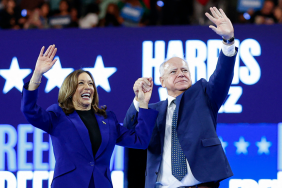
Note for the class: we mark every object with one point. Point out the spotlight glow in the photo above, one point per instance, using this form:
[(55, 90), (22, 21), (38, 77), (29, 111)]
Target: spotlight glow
[(24, 13), (246, 16), (160, 3)]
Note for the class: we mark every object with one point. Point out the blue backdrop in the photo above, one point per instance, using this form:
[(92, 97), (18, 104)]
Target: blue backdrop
[(117, 57)]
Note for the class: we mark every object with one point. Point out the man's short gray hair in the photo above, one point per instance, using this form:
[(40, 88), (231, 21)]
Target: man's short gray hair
[(161, 69)]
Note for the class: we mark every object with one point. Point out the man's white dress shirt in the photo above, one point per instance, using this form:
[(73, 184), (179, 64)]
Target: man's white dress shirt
[(165, 176)]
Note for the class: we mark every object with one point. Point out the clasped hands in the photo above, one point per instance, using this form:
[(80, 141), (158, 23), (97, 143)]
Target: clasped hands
[(143, 88)]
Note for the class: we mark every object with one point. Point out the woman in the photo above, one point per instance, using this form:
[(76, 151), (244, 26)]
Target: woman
[(83, 135)]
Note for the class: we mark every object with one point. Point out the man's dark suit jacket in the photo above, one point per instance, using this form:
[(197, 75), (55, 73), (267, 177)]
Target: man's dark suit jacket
[(197, 110)]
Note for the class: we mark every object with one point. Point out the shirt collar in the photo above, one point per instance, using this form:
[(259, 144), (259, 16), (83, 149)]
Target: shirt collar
[(169, 100)]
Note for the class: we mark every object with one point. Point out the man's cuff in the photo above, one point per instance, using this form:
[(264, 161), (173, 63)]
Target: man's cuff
[(229, 50), (136, 104)]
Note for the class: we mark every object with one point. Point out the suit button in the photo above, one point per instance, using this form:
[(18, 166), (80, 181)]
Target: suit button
[(156, 173), (91, 163)]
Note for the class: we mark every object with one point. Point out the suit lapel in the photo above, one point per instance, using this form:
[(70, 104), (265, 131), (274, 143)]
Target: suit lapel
[(161, 121), (178, 99), (82, 131), (104, 130)]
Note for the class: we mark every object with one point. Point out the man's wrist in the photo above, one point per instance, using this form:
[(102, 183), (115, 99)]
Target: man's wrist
[(228, 44), (228, 36), (228, 40), (229, 49)]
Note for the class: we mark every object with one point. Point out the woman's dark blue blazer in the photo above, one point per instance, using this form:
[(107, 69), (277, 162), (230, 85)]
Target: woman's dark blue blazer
[(75, 163)]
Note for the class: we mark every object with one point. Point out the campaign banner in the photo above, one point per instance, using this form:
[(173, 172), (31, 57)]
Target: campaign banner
[(254, 152)]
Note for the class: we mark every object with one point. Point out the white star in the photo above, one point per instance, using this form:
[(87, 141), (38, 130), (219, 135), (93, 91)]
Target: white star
[(223, 144), (14, 76), (242, 146), (101, 73), (263, 146), (56, 75)]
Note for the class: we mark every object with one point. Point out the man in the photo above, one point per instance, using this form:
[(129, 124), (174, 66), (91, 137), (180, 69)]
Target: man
[(184, 150)]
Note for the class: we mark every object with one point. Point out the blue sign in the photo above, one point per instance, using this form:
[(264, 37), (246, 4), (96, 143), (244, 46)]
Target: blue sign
[(253, 153), (245, 5), (132, 13)]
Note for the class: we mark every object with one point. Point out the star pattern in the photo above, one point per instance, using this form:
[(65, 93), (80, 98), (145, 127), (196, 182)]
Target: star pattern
[(263, 146), (56, 75), (14, 76), (242, 146), (223, 144), (101, 73)]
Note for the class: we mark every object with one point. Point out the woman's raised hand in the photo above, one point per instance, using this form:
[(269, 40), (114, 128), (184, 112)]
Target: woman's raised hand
[(45, 60), (44, 63)]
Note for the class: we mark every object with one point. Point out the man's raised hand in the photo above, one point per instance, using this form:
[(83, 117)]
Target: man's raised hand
[(224, 26)]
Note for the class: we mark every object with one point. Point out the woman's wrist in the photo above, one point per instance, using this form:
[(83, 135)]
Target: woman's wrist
[(35, 81), (143, 105), (37, 73), (36, 77)]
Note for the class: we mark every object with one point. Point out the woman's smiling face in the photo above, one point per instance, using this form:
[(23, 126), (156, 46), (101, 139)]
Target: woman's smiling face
[(83, 96)]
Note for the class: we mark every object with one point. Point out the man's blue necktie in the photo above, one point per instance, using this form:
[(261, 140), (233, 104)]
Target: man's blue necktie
[(178, 159)]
